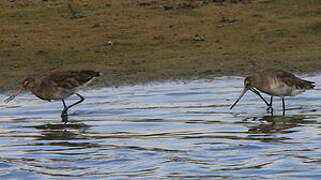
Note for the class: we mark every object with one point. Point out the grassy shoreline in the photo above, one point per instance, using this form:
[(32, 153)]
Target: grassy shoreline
[(157, 40)]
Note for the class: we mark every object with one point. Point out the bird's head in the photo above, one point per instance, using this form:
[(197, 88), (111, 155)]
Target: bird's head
[(27, 84), (249, 82)]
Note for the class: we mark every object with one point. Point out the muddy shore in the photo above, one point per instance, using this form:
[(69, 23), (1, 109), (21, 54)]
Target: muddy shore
[(141, 41)]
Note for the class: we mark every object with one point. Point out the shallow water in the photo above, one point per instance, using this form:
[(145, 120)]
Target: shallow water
[(163, 131)]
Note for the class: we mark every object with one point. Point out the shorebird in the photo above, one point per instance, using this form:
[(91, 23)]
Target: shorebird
[(274, 82), (58, 85)]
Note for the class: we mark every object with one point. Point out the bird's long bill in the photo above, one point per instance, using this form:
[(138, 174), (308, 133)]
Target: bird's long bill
[(10, 98), (241, 95)]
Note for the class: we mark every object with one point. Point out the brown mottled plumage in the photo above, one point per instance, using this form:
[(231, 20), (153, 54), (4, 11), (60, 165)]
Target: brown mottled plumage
[(275, 82), (58, 85)]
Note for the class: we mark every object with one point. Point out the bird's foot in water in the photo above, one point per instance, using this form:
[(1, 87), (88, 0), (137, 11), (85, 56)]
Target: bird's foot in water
[(269, 109), (64, 117)]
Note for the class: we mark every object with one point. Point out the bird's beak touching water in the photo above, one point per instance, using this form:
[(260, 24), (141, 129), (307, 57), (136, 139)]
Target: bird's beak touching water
[(10, 98), (241, 95)]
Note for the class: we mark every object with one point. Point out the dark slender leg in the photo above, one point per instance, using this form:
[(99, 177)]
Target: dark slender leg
[(63, 102), (283, 105), (270, 108), (257, 93), (270, 105), (64, 114), (271, 100), (81, 100)]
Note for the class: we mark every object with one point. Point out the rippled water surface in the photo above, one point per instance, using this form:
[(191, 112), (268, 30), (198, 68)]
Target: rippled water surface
[(163, 131)]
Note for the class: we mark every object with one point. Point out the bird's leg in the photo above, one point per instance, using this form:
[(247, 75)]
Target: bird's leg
[(283, 105), (64, 115), (270, 105), (257, 93), (81, 100)]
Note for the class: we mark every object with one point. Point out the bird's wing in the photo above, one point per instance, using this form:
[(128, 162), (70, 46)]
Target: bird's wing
[(293, 81), (62, 79), (70, 79)]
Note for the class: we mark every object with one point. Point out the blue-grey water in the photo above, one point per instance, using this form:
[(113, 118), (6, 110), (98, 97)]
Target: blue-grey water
[(175, 130)]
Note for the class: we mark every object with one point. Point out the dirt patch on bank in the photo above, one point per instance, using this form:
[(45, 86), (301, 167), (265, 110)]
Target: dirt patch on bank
[(149, 40)]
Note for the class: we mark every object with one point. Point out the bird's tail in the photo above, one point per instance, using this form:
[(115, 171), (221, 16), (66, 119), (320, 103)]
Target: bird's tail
[(307, 84), (84, 77), (91, 73)]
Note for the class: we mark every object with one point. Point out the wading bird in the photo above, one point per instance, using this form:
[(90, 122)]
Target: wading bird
[(275, 82), (58, 85)]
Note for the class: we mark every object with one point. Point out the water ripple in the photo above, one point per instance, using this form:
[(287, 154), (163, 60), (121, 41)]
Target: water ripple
[(162, 131)]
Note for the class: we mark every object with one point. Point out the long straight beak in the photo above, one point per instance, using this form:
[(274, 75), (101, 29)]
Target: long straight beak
[(241, 95), (10, 98)]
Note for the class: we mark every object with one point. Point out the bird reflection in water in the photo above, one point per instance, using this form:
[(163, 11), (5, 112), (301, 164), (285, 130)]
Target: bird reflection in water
[(277, 124)]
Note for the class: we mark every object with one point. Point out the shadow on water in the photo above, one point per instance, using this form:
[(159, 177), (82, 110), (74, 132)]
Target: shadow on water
[(162, 131)]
